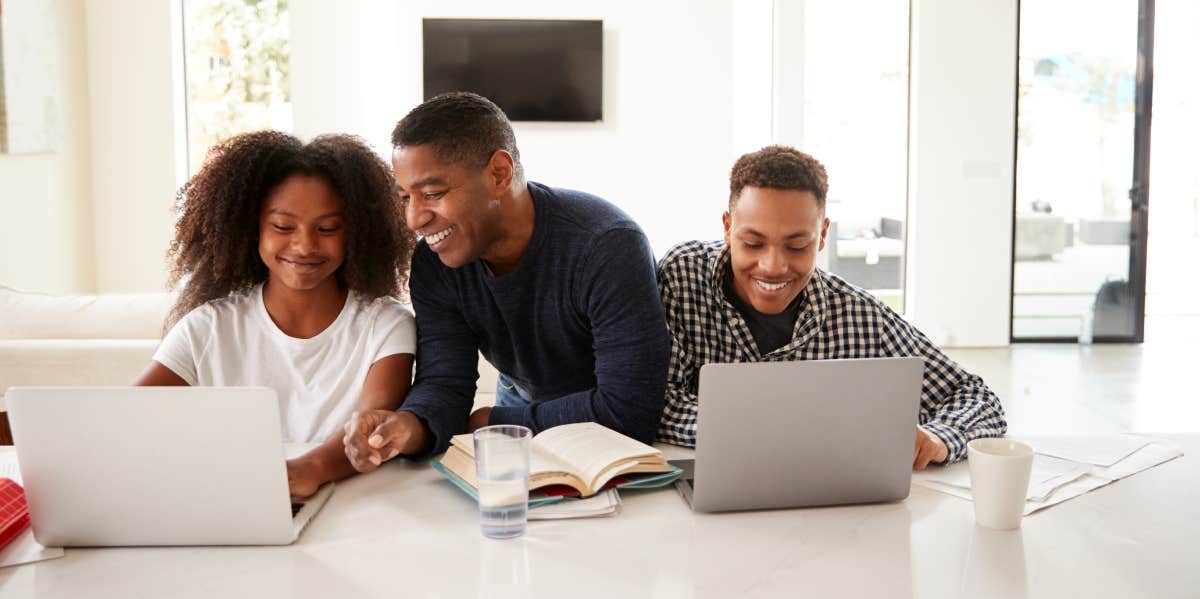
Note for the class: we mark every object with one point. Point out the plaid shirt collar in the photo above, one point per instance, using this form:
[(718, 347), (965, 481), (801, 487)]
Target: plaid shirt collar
[(808, 320)]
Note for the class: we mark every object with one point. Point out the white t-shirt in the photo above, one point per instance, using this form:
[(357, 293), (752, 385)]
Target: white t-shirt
[(233, 342)]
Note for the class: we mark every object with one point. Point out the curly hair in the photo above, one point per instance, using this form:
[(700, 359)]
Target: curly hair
[(215, 250), (463, 128), (778, 167)]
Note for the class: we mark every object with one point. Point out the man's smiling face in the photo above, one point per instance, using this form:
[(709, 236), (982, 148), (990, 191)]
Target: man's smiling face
[(773, 236), (447, 204)]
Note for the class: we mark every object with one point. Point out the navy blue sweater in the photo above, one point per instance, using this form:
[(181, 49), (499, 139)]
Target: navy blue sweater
[(578, 325)]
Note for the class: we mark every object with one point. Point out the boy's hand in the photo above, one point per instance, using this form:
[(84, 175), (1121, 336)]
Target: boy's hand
[(928, 449)]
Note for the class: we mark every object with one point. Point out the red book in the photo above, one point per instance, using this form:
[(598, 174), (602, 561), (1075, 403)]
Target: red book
[(14, 512)]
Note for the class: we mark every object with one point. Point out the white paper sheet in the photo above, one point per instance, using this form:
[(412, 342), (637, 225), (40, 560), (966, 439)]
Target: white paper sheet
[(25, 549), (9, 469), (604, 503), (1097, 449), (1148, 456), (1048, 474)]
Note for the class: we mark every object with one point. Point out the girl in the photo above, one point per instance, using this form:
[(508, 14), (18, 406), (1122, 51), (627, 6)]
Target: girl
[(291, 259)]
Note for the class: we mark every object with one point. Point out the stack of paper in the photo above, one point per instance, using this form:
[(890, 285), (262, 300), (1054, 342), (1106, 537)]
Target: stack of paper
[(604, 503), (1064, 466)]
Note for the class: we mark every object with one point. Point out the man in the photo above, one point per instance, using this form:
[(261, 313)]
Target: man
[(554, 287), (758, 296)]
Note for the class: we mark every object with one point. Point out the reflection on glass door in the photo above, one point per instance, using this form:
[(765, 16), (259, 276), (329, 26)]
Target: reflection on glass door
[(1075, 229)]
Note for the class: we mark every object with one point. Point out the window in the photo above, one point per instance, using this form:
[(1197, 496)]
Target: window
[(852, 115), (237, 56)]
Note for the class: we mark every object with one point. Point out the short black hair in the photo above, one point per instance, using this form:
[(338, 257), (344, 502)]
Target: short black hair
[(779, 167), (463, 128)]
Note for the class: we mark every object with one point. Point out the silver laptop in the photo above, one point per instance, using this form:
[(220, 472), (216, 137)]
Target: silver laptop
[(803, 433), (155, 466)]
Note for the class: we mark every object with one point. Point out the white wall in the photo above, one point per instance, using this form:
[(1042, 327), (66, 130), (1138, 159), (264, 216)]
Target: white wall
[(134, 150), (45, 209), (662, 153), (962, 111)]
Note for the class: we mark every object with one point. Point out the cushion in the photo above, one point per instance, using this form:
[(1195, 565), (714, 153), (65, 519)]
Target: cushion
[(27, 315)]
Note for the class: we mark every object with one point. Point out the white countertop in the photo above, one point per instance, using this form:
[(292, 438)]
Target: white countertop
[(405, 532)]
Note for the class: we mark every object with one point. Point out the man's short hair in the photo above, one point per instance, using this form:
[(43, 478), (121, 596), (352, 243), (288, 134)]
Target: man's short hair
[(778, 167), (462, 127)]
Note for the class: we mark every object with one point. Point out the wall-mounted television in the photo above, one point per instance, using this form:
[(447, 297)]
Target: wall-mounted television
[(534, 70)]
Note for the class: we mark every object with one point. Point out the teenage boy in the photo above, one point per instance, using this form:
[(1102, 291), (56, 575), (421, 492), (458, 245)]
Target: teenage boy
[(757, 295)]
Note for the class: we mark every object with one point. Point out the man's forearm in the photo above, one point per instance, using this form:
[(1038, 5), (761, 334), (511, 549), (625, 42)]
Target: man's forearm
[(442, 414)]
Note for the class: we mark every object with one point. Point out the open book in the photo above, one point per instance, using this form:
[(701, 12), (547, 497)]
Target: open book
[(584, 458)]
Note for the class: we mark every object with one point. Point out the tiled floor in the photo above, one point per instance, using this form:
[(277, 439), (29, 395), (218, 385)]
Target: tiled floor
[(1100, 388)]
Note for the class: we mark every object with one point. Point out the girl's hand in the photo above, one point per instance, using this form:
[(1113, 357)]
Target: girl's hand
[(303, 478)]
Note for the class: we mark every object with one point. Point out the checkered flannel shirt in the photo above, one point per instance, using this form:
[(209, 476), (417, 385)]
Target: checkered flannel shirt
[(836, 320)]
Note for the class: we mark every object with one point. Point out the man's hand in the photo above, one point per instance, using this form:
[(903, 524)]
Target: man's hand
[(479, 419), (303, 478), (929, 448), (376, 436)]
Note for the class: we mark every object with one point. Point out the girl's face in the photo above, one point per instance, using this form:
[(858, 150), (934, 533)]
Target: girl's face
[(302, 233)]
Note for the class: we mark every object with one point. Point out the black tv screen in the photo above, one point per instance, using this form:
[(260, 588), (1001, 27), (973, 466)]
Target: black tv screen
[(533, 70)]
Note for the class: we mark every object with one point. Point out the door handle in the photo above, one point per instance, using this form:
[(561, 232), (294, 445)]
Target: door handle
[(1137, 196)]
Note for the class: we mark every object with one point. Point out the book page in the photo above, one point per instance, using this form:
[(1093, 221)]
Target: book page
[(540, 461), (589, 449)]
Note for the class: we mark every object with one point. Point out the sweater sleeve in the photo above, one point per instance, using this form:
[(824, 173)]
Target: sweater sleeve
[(630, 341), (447, 355), (956, 405)]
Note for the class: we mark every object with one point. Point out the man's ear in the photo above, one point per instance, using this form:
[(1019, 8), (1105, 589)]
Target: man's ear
[(728, 222), (824, 232), (500, 170)]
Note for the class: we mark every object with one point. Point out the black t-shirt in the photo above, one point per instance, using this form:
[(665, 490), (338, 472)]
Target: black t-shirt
[(770, 331)]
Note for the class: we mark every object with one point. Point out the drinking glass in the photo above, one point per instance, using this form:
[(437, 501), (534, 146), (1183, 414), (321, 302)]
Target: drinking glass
[(502, 474)]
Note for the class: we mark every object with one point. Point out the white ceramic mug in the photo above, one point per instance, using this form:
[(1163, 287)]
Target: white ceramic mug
[(999, 480)]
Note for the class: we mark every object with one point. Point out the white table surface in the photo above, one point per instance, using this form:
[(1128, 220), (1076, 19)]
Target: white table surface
[(405, 532)]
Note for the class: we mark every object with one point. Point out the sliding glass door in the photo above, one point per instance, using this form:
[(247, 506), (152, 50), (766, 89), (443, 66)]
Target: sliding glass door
[(1081, 174)]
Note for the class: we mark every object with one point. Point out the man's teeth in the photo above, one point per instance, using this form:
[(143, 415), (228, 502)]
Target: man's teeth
[(440, 235), (771, 286)]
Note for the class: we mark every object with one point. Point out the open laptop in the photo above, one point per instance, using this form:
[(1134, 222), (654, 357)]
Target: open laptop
[(155, 466), (803, 433)]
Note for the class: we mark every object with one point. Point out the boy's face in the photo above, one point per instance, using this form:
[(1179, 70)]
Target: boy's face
[(302, 233), (773, 236), (451, 205)]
